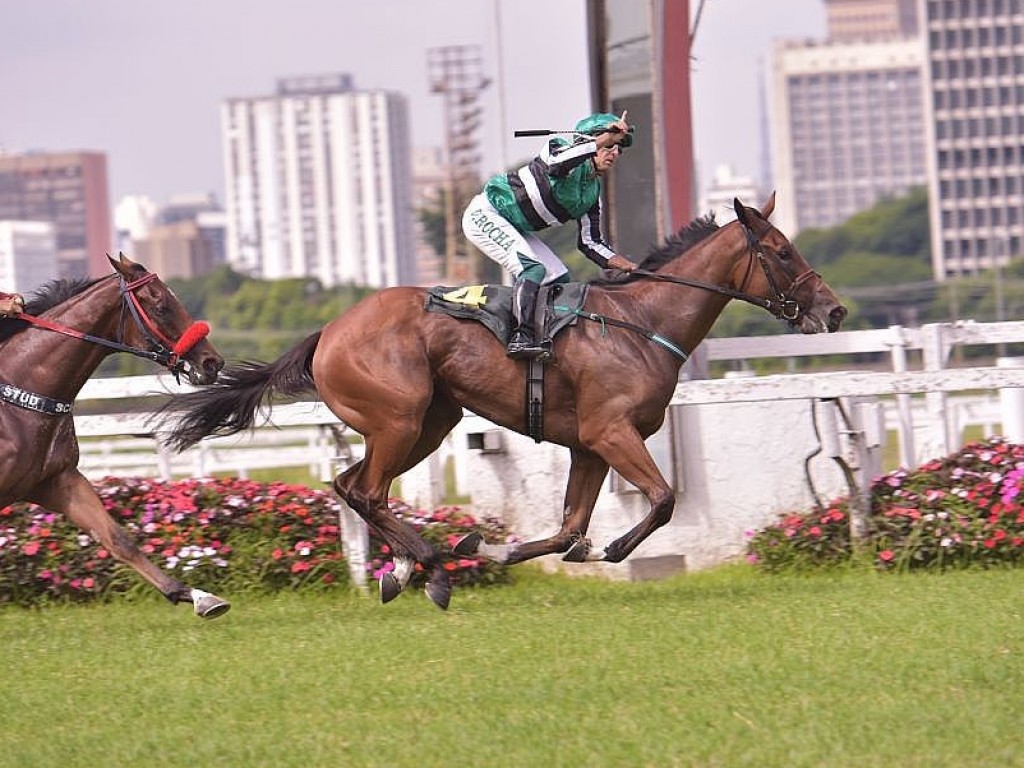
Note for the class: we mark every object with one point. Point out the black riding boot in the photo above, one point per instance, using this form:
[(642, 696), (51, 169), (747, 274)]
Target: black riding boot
[(523, 341)]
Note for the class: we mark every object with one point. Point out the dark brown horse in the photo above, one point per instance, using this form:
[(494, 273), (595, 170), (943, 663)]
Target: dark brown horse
[(401, 376), (46, 356)]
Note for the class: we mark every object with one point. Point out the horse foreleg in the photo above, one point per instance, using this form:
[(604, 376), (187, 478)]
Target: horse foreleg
[(586, 475), (625, 450), (72, 496)]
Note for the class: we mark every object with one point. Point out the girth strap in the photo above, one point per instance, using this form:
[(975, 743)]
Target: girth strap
[(535, 399)]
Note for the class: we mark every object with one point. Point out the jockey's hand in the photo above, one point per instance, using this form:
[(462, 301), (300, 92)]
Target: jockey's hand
[(11, 304), (621, 263), (612, 134)]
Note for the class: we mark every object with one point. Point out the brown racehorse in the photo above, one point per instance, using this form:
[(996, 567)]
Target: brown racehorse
[(401, 376), (46, 356)]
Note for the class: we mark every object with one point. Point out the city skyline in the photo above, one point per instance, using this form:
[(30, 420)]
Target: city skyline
[(145, 85)]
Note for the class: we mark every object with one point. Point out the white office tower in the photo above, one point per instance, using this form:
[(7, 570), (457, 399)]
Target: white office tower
[(849, 127), (975, 87), (319, 183), (28, 255)]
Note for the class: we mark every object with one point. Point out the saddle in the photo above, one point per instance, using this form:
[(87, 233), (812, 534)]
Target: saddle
[(492, 306)]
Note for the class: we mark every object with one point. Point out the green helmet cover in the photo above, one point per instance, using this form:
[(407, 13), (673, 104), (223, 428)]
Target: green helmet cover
[(596, 123)]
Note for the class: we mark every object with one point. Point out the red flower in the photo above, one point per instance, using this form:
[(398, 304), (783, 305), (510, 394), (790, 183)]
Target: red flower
[(30, 548), (886, 555), (814, 531), (300, 566)]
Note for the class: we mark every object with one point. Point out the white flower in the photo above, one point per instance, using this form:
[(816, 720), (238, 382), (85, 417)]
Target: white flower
[(946, 542)]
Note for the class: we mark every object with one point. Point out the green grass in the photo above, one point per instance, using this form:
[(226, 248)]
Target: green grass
[(726, 668)]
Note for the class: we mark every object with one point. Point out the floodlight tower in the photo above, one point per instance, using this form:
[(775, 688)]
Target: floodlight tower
[(455, 72)]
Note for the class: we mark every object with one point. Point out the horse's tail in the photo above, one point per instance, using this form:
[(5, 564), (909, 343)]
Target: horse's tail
[(231, 405)]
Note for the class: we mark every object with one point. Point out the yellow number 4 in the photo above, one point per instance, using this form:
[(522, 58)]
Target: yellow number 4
[(473, 295)]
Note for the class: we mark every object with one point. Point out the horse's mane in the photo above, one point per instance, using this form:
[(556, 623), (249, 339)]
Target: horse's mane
[(45, 297), (675, 245)]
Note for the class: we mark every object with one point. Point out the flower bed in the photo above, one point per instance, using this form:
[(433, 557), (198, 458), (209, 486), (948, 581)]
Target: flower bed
[(959, 511), (227, 535)]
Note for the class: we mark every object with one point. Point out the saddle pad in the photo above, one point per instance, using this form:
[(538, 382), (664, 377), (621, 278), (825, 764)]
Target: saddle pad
[(492, 305)]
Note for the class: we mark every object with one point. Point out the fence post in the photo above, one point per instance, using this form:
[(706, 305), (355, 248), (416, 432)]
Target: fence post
[(1011, 403), (935, 351), (898, 352), (355, 538)]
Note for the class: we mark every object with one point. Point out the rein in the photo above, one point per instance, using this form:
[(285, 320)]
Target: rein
[(781, 306), (165, 352)]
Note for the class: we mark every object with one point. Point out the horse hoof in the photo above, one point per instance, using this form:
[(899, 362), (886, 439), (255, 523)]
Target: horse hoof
[(468, 545), (208, 606), (440, 592), (390, 587), (578, 552)]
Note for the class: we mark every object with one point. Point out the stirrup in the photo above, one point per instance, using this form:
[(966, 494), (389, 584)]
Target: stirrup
[(522, 347)]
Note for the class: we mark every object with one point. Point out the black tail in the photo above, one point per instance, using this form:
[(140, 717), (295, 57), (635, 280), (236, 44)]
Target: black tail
[(230, 405)]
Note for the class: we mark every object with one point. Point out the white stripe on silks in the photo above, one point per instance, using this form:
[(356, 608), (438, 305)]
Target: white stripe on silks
[(533, 191), (565, 154), (586, 222)]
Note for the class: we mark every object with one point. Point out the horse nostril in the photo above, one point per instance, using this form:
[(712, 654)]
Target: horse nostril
[(212, 366), (835, 318)]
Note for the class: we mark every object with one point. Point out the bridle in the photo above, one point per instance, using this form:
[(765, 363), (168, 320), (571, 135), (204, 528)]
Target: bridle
[(781, 304), (161, 349)]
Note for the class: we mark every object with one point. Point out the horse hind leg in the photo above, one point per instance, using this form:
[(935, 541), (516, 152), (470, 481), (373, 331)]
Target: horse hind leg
[(408, 547), (75, 498)]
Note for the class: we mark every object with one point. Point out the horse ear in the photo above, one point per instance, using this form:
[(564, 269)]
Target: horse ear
[(741, 212), (769, 206), (112, 262)]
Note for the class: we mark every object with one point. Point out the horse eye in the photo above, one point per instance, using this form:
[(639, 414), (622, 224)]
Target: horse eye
[(784, 253)]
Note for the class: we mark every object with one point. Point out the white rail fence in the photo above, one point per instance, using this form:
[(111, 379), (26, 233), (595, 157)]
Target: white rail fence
[(734, 447)]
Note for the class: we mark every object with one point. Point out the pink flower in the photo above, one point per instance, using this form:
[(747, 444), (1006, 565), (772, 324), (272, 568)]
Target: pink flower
[(30, 548), (886, 555), (814, 531)]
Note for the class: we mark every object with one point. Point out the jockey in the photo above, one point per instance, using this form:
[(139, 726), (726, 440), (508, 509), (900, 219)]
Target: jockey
[(11, 304), (562, 183)]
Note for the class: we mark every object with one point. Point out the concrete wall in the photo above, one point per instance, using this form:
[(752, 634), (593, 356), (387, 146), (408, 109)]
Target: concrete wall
[(737, 467)]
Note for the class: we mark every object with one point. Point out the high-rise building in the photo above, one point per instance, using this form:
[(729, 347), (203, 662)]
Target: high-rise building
[(28, 255), (318, 179), (863, 20), (68, 189), (975, 89), (183, 239), (849, 126)]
